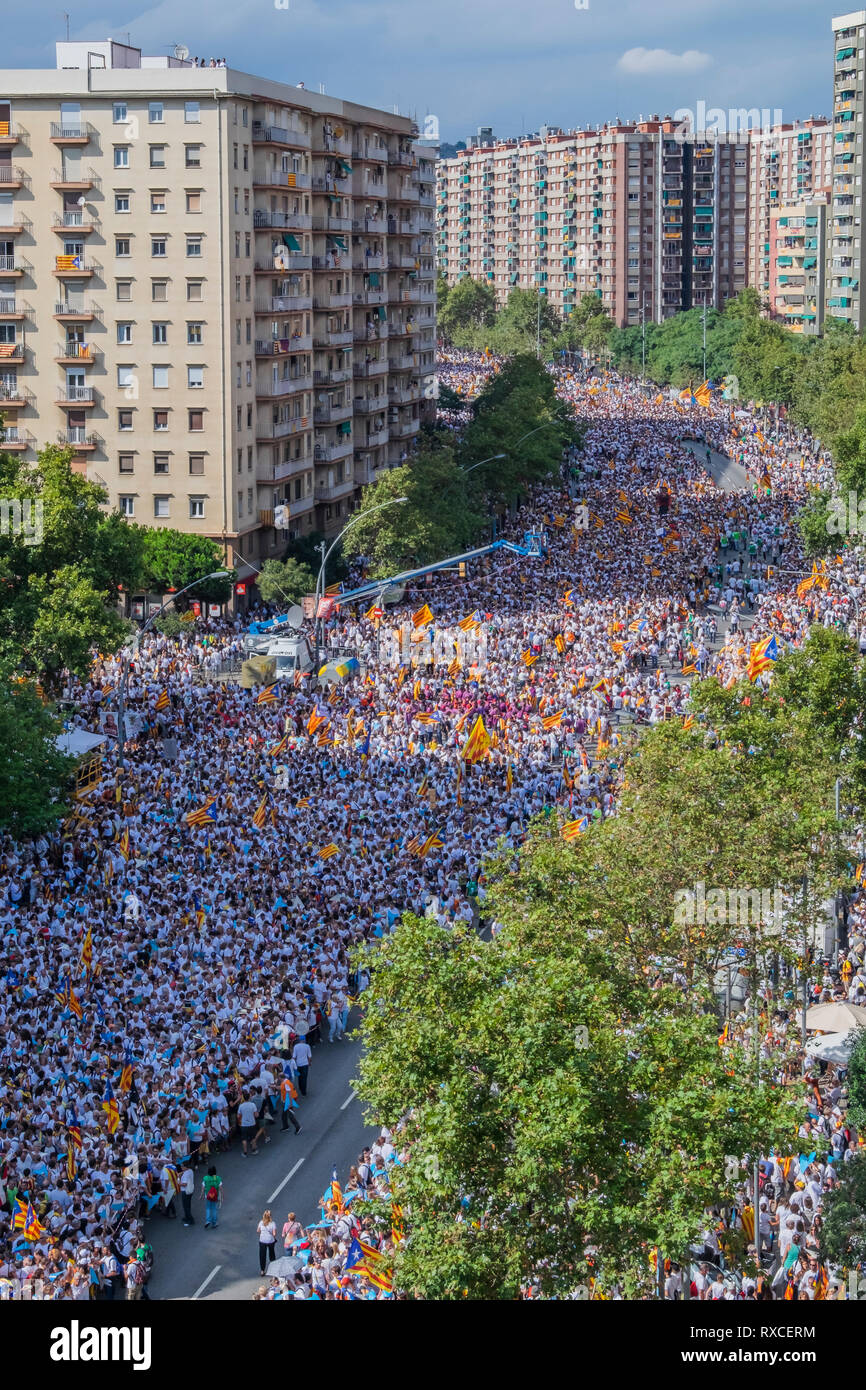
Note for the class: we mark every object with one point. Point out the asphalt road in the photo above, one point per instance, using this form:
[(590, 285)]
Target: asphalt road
[(289, 1174), (727, 474)]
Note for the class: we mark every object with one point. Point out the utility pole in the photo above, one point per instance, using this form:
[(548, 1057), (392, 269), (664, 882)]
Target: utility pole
[(805, 971), (704, 320)]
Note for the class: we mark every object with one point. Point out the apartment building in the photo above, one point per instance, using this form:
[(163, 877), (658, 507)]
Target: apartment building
[(843, 300), (217, 289), (793, 163), (797, 259), (649, 222)]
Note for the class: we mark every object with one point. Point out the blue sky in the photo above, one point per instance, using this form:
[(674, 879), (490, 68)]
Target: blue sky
[(512, 64)]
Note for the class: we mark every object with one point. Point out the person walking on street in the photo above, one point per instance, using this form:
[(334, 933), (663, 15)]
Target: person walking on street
[(301, 1055), (187, 1191), (211, 1190), (267, 1232), (248, 1113), (289, 1096)]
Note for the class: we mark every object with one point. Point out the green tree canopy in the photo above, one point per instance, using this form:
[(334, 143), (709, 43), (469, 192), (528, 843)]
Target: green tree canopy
[(174, 559), (285, 582)]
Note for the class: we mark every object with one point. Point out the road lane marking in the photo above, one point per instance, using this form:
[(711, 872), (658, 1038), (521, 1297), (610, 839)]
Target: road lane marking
[(200, 1290), (349, 1101), (289, 1175)]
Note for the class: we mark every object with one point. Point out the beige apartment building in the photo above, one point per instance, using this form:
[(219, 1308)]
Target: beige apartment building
[(217, 289)]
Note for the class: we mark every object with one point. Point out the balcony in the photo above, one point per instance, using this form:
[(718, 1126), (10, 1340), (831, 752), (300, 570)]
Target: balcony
[(12, 176), (85, 179), (369, 263), (378, 366), (402, 158), (273, 266), (370, 405), (329, 453), (80, 436), (78, 134), (375, 226), (283, 347), (331, 492), (373, 440), (74, 268), (69, 312), (74, 352), (403, 395), (403, 429), (401, 362), (80, 222), (282, 429), (12, 352), (327, 223), (280, 135), (332, 413), (333, 378), (266, 218), (82, 397), (280, 178), (340, 185), (10, 135), (324, 338), (285, 386), (324, 301), (11, 394), (13, 439), (12, 308), (362, 297), (13, 265), (289, 303)]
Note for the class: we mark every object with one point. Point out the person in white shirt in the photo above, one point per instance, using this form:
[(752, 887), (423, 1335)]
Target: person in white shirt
[(247, 1124), (187, 1190), (301, 1054)]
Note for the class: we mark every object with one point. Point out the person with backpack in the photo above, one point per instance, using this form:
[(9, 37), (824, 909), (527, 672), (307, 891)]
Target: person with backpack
[(211, 1191)]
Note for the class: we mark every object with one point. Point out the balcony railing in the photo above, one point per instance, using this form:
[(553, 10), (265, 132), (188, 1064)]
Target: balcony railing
[(11, 173), (377, 367), (280, 429), (297, 260), (280, 135), (80, 220), (81, 395), (332, 413), (264, 218), (325, 301), (10, 390), (85, 178), (331, 224), (82, 352), (78, 434), (329, 492), (85, 309), (370, 405), (13, 438), (325, 338), (329, 453), (12, 352), (8, 263), (285, 386), (282, 303), (332, 378), (74, 265), (80, 130)]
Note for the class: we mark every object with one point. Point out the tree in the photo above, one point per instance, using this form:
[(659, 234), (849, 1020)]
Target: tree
[(470, 305), (518, 415), (306, 550), (526, 318), (843, 1238), (285, 582), (589, 325), (857, 1084), (815, 524), (174, 559), (33, 774), (437, 520)]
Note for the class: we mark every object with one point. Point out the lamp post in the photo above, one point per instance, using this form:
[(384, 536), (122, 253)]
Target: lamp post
[(320, 580), (124, 656)]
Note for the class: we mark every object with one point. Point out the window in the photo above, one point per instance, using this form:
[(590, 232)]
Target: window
[(126, 505), (240, 504), (124, 419), (121, 202), (193, 156), (195, 377), (196, 508), (121, 156), (157, 202), (120, 113), (193, 333), (155, 112), (196, 419), (160, 420), (124, 333), (160, 378), (193, 202), (126, 463), (191, 113), (160, 333), (160, 463), (161, 506), (159, 291), (196, 465), (193, 246), (157, 156), (157, 246), (125, 378), (122, 246), (194, 289)]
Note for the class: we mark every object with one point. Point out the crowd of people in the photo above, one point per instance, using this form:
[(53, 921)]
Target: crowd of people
[(174, 950)]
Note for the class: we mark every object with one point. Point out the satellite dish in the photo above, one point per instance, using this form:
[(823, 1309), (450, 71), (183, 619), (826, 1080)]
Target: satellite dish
[(181, 52), (295, 616)]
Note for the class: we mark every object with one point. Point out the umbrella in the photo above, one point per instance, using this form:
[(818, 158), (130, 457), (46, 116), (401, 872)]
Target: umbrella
[(836, 1018), (833, 1047), (284, 1267)]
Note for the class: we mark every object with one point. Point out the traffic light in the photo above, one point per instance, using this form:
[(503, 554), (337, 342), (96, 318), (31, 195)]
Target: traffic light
[(461, 569)]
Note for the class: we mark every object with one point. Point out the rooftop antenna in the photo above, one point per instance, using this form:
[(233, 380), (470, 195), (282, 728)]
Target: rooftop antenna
[(181, 52), (66, 17)]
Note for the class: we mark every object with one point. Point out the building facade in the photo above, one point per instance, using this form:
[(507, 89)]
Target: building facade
[(798, 257), (843, 298), (217, 289)]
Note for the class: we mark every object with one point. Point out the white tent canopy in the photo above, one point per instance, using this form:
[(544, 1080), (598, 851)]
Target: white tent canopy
[(76, 742)]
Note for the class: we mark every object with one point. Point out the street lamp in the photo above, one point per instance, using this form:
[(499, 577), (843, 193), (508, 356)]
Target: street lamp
[(124, 676), (320, 580), (483, 461)]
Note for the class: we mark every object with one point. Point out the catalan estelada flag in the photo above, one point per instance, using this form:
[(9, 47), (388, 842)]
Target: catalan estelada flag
[(433, 841), (163, 702), (477, 743), (529, 656), (280, 747), (761, 656), (266, 696), (315, 721), (125, 1083), (203, 816), (123, 844), (260, 812), (471, 622), (109, 1105), (573, 828), (328, 852)]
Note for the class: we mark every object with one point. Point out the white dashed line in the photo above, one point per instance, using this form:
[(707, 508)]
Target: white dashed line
[(200, 1290), (349, 1101), (289, 1175)]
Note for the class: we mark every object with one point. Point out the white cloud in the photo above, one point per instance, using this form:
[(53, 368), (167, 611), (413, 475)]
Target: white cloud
[(660, 62)]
